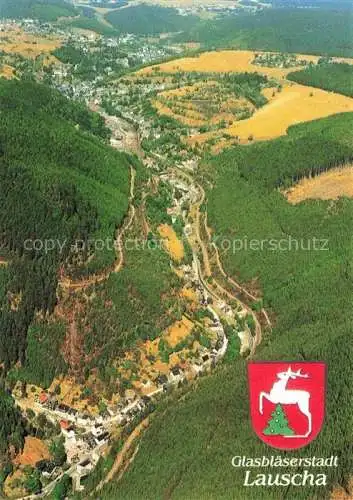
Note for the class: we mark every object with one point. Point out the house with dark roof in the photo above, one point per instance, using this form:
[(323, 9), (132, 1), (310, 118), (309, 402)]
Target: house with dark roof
[(162, 380), (176, 374)]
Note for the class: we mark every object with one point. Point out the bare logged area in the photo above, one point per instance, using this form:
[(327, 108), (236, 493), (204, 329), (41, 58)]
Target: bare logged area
[(327, 186), (34, 451)]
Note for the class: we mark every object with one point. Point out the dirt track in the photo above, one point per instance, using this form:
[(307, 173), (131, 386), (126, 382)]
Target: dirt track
[(121, 456)]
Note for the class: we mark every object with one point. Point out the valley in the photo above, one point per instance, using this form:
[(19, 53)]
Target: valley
[(130, 329)]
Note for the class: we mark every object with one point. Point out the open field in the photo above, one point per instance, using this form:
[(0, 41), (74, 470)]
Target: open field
[(179, 331), (171, 242), (26, 45), (326, 186), (226, 61), (288, 103), (294, 104)]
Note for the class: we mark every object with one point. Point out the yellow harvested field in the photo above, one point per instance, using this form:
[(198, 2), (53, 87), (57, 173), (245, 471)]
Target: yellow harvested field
[(294, 104), (6, 71), (178, 331), (225, 61), (29, 46), (329, 185), (172, 244), (34, 450)]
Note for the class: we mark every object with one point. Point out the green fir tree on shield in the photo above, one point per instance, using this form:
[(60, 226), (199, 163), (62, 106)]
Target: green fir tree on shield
[(278, 424)]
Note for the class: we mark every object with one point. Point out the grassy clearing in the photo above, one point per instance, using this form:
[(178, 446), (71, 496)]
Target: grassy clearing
[(329, 185), (28, 46)]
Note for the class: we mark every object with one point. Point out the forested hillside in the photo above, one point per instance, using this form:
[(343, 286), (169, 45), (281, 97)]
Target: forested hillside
[(44, 10), (93, 24), (187, 451), (327, 76), (12, 430), (59, 184), (305, 31), (147, 19)]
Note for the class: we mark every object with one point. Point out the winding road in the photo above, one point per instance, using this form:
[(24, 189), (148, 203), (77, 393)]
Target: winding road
[(207, 271)]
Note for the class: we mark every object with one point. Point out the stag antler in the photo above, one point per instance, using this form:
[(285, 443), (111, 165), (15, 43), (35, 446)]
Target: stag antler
[(300, 374)]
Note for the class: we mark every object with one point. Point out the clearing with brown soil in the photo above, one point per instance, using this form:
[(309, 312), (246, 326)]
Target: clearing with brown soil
[(34, 450), (172, 244)]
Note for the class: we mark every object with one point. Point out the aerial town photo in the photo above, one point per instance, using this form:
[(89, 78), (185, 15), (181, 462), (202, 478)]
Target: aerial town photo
[(176, 256)]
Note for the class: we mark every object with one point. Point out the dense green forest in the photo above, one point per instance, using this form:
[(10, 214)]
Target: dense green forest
[(305, 31), (337, 77), (54, 202), (12, 430), (121, 311), (307, 290), (148, 19), (44, 10), (91, 20)]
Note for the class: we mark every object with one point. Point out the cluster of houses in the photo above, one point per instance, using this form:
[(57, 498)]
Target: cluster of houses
[(85, 434)]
